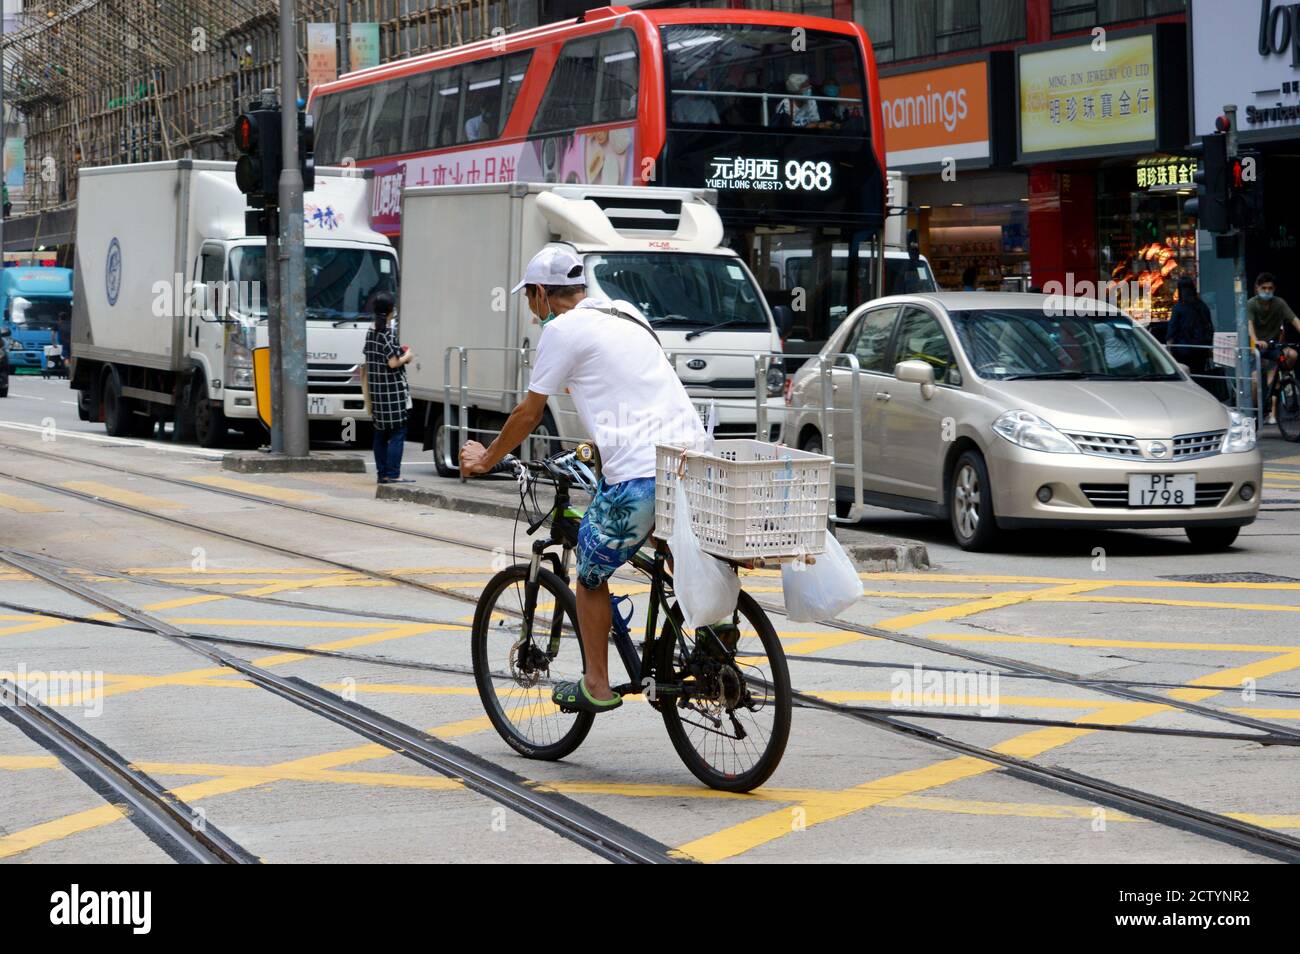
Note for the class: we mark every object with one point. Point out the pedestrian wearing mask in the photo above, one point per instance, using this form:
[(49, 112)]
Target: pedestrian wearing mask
[(388, 394)]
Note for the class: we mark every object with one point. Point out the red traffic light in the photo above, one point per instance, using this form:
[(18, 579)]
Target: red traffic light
[(245, 134), (1222, 123)]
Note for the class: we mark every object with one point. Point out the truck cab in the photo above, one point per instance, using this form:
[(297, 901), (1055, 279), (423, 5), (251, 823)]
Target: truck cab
[(37, 311)]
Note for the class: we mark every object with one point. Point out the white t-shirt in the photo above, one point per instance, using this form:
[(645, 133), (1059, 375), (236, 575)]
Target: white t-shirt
[(625, 391)]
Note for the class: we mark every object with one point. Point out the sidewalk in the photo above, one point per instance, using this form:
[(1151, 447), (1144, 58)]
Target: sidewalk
[(499, 497)]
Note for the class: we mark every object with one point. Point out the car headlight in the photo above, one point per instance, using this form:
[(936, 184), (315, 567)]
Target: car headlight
[(1032, 432), (1241, 433), (776, 378), (239, 359)]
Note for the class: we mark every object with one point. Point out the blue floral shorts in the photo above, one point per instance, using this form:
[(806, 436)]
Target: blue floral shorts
[(615, 525)]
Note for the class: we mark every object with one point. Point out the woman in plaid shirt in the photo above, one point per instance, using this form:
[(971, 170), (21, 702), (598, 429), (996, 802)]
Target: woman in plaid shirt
[(385, 371)]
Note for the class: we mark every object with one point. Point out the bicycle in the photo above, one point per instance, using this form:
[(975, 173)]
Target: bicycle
[(1285, 390), (727, 712)]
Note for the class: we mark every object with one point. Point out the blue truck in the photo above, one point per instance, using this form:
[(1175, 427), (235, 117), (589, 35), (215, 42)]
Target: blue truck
[(37, 312)]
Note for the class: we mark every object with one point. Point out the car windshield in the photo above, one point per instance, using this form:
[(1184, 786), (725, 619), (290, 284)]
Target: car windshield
[(340, 281), (680, 290), (1025, 344), (39, 314)]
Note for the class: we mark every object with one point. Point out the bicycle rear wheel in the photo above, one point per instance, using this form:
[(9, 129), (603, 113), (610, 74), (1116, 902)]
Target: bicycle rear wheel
[(1288, 409), (516, 666), (731, 722)]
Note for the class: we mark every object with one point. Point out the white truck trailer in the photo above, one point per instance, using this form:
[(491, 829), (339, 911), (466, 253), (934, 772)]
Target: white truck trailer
[(658, 248), (170, 297)]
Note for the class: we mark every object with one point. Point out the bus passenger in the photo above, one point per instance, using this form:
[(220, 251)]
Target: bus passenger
[(695, 109)]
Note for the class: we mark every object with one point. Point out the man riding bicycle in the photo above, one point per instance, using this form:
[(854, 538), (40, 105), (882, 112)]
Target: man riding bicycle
[(607, 358), (1269, 317)]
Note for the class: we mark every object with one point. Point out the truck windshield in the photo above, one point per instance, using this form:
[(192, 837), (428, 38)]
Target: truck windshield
[(340, 281), (39, 314), (1029, 344), (680, 290)]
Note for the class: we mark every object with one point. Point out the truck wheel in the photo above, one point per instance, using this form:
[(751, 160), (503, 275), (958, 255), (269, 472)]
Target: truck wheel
[(119, 416), (210, 428), (444, 471), (85, 406), (543, 439)]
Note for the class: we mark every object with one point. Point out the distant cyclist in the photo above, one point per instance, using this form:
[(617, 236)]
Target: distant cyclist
[(628, 397), (1269, 318)]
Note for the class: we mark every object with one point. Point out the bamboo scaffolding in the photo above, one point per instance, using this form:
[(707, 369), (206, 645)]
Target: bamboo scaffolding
[(113, 81)]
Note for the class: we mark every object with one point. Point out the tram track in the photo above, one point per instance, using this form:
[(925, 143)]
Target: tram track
[(591, 830), (1009, 667), (180, 831), (1255, 839)]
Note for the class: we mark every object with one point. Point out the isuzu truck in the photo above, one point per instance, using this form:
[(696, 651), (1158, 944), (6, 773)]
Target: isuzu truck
[(659, 249), (170, 297)]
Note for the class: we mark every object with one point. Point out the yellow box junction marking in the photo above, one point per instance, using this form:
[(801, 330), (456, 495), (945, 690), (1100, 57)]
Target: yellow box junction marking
[(19, 505), (269, 491), (120, 495)]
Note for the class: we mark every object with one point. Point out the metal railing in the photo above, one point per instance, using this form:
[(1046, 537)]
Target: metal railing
[(459, 397)]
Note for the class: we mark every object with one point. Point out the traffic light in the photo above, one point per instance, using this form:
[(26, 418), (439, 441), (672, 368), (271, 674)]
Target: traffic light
[(257, 171), (1211, 205), (1247, 191), (306, 148)]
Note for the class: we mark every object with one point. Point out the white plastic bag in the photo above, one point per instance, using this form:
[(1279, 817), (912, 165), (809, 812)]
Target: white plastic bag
[(706, 588), (823, 590)]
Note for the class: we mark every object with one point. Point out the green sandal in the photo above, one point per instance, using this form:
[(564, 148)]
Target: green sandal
[(574, 697)]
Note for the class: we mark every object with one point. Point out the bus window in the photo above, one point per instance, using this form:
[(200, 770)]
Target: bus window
[(617, 79), (753, 76), (482, 101), (326, 111), (446, 107), (352, 122), (569, 98), (516, 67), (385, 134), (416, 136)]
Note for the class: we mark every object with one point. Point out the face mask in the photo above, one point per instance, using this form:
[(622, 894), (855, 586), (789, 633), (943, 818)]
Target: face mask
[(831, 91), (1265, 296), (550, 314)]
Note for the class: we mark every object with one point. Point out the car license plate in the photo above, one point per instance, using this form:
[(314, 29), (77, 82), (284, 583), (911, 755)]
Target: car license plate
[(318, 405), (1161, 490)]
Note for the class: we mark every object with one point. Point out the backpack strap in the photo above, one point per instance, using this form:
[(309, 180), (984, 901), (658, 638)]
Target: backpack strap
[(614, 312)]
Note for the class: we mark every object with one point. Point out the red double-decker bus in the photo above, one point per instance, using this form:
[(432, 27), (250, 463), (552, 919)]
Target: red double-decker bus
[(779, 113)]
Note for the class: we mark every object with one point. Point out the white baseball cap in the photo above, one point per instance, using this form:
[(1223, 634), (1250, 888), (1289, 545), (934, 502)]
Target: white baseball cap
[(553, 265)]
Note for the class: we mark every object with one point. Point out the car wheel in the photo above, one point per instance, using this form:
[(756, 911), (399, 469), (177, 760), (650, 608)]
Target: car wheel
[(970, 503), (1212, 538)]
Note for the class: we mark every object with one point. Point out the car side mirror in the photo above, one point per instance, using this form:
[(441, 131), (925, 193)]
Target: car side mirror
[(917, 372), (1185, 369)]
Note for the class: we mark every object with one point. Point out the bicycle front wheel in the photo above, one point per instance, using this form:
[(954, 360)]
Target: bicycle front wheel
[(1288, 410), (731, 719), (518, 661)]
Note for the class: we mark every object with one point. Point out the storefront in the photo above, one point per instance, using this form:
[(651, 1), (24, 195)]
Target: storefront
[(1102, 130), (950, 133)]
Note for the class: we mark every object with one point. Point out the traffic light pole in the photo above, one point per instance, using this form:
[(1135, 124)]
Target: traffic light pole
[(293, 291), (273, 328), (1243, 395)]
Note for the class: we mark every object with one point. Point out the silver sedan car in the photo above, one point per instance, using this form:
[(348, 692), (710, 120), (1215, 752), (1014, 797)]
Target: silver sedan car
[(1002, 411)]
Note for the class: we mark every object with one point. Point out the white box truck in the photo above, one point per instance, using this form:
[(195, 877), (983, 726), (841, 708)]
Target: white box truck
[(170, 297), (657, 248)]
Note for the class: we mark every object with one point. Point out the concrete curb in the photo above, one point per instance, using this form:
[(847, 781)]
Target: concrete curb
[(257, 462), (888, 554), (444, 501), (877, 554)]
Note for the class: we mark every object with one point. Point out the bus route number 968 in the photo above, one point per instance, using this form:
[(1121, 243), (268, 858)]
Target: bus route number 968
[(809, 176)]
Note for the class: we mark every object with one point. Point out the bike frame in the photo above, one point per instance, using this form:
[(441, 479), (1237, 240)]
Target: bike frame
[(564, 534)]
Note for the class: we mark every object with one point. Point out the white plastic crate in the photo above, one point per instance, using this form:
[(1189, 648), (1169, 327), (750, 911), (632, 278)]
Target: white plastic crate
[(748, 498)]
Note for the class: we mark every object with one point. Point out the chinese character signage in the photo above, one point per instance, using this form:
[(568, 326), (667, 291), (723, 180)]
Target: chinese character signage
[(743, 172), (1088, 98), (322, 54), (1166, 171), (363, 46)]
